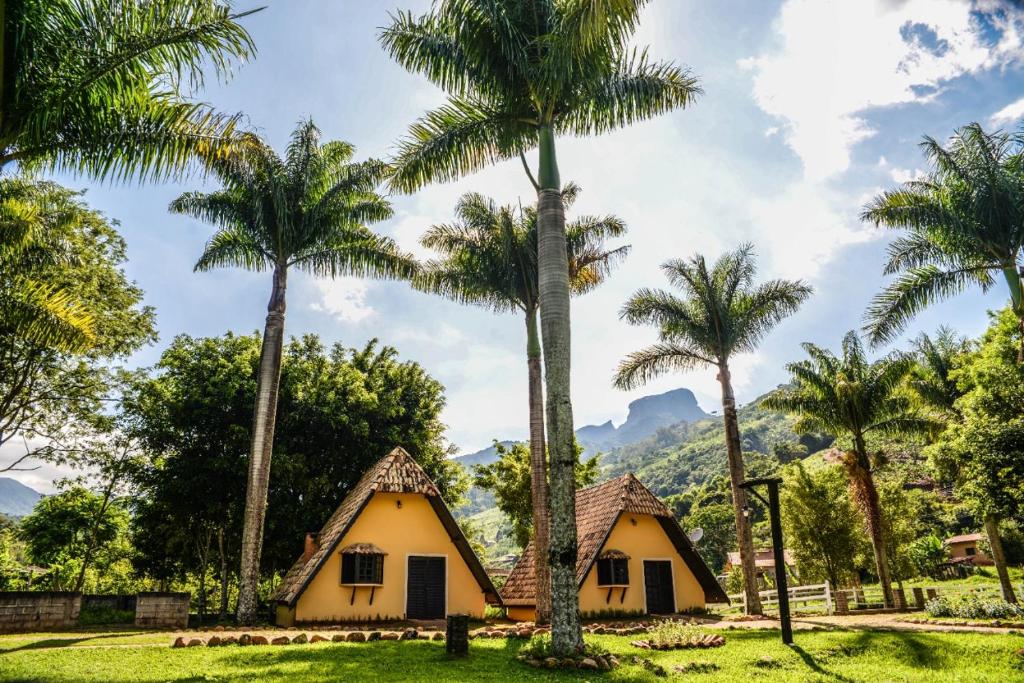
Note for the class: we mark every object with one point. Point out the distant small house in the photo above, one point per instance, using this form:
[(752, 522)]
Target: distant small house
[(392, 550), (764, 561), (632, 557), (966, 549)]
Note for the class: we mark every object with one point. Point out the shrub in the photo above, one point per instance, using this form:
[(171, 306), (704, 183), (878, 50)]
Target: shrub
[(670, 633), (105, 615), (539, 647), (973, 607)]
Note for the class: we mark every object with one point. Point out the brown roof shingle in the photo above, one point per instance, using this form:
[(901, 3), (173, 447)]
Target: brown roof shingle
[(396, 472), (597, 509)]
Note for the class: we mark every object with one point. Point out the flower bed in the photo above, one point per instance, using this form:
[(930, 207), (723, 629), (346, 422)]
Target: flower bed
[(537, 653), (677, 635)]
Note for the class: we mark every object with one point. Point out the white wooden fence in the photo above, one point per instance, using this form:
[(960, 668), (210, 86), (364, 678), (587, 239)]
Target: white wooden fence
[(798, 595)]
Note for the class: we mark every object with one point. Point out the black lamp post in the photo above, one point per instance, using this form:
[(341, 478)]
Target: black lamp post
[(781, 584)]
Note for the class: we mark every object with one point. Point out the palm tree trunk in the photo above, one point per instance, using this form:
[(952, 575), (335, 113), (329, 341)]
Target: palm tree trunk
[(538, 473), (264, 417), (867, 496), (223, 613), (734, 450), (994, 540), (553, 280)]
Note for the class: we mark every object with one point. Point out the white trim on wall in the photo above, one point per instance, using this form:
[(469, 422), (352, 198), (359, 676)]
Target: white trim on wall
[(405, 584)]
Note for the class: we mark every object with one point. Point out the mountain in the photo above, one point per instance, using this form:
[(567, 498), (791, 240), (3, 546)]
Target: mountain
[(687, 454), (646, 416), (16, 499)]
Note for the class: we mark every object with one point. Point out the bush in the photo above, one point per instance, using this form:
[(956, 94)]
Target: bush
[(98, 616), (539, 647), (973, 607), (670, 633)]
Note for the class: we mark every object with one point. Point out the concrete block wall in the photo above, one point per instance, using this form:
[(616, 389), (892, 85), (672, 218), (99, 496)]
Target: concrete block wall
[(162, 610), (38, 611)]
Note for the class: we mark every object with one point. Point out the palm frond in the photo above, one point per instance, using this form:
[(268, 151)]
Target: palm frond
[(914, 291), (642, 366), (234, 246)]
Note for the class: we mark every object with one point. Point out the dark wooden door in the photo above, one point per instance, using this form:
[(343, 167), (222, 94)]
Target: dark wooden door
[(661, 598), (425, 595)]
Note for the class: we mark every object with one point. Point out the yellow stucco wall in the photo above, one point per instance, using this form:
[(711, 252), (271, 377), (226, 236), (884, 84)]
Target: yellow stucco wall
[(413, 529), (645, 540)]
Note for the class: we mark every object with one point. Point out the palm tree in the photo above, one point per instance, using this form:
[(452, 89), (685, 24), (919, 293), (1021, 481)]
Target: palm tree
[(306, 211), (95, 86), (934, 385), (32, 309), (854, 398), (518, 73), (722, 314), (965, 224), (489, 258)]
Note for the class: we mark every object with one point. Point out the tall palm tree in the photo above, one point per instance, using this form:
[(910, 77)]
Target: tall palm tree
[(489, 258), (965, 225), (934, 385), (306, 211), (519, 73), (722, 314), (851, 397), (96, 85)]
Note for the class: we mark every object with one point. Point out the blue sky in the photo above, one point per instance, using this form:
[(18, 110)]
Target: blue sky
[(810, 108)]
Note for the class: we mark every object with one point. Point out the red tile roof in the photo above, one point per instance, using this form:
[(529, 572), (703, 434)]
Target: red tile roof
[(597, 509), (964, 538), (396, 472)]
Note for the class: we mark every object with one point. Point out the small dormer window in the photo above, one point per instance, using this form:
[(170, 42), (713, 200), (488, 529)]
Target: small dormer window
[(613, 568), (362, 564)]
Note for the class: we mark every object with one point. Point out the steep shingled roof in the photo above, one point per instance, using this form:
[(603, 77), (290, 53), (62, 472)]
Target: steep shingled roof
[(396, 472), (597, 510)]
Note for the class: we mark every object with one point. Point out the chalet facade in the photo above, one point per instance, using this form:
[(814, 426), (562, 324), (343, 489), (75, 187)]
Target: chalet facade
[(391, 551), (633, 558)]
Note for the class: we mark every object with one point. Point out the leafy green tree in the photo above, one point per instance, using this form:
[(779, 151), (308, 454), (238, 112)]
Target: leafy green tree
[(722, 314), (340, 411), (60, 529), (509, 478), (982, 452), (964, 224), (821, 523), (47, 390), (901, 525), (96, 86), (855, 399), (307, 211), (719, 538), (518, 74), (489, 258)]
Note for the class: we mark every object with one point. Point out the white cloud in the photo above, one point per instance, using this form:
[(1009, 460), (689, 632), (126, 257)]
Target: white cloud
[(344, 298), (837, 60), (1010, 114)]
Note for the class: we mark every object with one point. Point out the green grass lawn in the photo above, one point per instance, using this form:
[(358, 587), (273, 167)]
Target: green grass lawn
[(755, 656)]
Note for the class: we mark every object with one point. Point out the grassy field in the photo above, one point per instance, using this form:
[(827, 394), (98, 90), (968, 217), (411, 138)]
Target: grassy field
[(820, 656)]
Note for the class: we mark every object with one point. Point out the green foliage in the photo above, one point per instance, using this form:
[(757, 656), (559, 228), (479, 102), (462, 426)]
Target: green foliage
[(822, 525), (927, 553), (101, 616), (60, 529), (672, 632), (308, 210), (95, 86), (973, 607), (489, 257), (982, 452), (964, 224), (901, 525), (722, 314), (719, 524), (512, 69), (509, 479), (45, 391), (340, 410)]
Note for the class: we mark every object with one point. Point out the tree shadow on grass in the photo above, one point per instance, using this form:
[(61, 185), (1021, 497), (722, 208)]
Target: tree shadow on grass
[(51, 643), (416, 660), (817, 668), (921, 647)]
